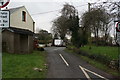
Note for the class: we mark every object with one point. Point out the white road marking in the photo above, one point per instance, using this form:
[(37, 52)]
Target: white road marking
[(96, 74), (64, 60), (84, 69), (87, 76)]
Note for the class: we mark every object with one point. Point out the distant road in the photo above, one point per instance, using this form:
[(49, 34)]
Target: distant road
[(66, 65)]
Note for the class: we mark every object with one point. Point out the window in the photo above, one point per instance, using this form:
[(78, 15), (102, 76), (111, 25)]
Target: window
[(33, 26), (23, 16)]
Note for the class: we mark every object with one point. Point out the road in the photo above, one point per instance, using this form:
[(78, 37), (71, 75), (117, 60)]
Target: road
[(62, 64)]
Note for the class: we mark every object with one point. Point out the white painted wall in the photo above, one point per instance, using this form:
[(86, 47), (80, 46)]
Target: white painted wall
[(16, 20)]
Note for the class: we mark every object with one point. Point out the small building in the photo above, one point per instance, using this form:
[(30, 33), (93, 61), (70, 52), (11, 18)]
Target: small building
[(18, 38)]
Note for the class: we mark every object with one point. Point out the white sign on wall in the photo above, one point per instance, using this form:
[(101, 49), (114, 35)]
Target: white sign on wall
[(4, 19)]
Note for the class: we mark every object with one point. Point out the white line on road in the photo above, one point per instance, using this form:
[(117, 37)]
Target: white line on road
[(84, 69), (64, 60), (87, 76), (95, 74)]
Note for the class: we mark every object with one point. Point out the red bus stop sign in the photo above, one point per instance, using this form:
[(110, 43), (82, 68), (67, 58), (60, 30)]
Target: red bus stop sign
[(118, 27), (118, 32), (4, 3)]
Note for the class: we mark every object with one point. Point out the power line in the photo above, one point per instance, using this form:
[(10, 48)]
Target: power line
[(54, 10), (45, 12), (82, 5), (60, 9)]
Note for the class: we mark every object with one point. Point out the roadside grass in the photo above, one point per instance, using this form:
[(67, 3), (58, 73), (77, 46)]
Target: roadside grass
[(95, 63), (111, 52), (22, 65), (101, 66)]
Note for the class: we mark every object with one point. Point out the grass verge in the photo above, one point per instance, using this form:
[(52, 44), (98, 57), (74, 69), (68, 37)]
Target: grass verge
[(96, 64), (111, 52), (22, 65)]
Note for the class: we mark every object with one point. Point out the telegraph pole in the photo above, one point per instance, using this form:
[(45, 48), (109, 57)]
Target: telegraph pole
[(89, 32), (89, 7)]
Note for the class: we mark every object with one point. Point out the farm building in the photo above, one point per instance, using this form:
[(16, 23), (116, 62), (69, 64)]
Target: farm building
[(18, 38)]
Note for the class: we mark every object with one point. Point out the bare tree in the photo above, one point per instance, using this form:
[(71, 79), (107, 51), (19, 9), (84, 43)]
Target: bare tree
[(113, 9), (96, 21)]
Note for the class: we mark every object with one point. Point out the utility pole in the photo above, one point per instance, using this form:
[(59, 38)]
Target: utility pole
[(89, 7), (89, 32), (118, 12)]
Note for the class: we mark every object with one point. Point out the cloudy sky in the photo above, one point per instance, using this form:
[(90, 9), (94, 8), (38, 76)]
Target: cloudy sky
[(44, 12)]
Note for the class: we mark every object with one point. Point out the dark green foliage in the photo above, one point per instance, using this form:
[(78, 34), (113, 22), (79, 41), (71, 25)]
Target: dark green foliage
[(68, 23), (44, 37), (74, 28), (59, 27), (97, 22), (55, 36), (83, 36)]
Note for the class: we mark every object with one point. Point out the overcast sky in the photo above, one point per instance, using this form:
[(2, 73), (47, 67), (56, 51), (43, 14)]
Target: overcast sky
[(38, 10)]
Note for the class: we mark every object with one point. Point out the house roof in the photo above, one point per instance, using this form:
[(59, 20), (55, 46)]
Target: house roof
[(12, 10), (18, 31)]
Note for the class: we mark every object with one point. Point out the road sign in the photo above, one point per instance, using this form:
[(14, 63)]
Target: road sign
[(4, 3), (118, 27), (4, 19)]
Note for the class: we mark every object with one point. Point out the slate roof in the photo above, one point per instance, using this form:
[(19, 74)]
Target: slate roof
[(18, 31), (13, 9)]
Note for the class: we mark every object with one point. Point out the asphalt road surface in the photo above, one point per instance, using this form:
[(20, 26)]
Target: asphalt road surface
[(65, 65)]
